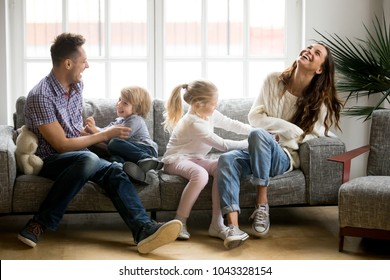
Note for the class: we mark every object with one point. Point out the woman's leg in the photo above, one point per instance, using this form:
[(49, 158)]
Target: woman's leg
[(232, 166), (267, 159)]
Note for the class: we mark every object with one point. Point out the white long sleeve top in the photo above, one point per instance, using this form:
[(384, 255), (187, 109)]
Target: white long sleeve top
[(194, 137), (272, 109)]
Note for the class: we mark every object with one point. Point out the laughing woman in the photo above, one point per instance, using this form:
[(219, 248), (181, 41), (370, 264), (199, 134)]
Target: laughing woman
[(293, 106)]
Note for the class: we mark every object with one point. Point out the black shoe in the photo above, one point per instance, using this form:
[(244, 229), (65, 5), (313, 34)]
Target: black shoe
[(135, 173), (158, 235), (30, 234), (147, 164)]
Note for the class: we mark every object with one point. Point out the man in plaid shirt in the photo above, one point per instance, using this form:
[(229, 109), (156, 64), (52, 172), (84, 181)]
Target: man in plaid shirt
[(53, 111)]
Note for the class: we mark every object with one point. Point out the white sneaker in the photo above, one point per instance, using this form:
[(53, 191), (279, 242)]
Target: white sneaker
[(235, 237), (260, 218), (184, 234), (221, 233)]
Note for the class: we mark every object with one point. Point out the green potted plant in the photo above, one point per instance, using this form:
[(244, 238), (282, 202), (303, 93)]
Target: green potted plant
[(363, 66)]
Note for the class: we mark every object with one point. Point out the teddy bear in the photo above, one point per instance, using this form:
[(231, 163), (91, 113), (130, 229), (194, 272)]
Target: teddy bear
[(26, 146)]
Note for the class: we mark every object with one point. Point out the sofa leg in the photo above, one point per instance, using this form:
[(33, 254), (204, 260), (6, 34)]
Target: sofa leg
[(341, 241), (153, 215)]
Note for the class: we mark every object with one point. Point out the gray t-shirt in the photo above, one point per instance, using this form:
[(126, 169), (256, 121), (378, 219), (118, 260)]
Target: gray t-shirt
[(139, 131)]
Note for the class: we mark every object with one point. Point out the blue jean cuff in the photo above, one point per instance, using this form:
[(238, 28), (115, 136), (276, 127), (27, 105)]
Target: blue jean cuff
[(230, 208), (259, 182)]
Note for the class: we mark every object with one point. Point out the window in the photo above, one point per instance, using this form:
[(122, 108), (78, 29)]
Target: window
[(117, 41), (159, 44)]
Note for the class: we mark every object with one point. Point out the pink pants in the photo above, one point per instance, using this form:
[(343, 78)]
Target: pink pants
[(197, 172)]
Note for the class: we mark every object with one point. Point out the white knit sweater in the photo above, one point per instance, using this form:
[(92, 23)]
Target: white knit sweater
[(272, 109), (194, 137)]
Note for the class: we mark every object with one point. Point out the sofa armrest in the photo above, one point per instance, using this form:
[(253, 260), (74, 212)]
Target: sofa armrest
[(8, 168), (346, 158), (323, 177)]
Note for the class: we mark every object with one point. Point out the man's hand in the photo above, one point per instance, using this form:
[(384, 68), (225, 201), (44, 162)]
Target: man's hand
[(117, 131), (55, 136)]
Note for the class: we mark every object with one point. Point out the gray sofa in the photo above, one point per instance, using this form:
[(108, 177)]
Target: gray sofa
[(316, 183)]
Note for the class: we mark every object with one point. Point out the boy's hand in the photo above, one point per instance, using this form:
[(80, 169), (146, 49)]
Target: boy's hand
[(90, 126)]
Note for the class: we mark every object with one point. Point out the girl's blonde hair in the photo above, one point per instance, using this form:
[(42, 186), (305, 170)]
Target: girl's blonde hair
[(139, 98), (198, 91)]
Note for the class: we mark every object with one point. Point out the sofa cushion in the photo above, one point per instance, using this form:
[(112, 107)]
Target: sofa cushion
[(30, 191), (364, 203), (237, 109), (287, 189)]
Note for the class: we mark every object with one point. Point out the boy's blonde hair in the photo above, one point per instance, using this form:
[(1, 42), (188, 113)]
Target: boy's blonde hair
[(139, 98), (198, 91)]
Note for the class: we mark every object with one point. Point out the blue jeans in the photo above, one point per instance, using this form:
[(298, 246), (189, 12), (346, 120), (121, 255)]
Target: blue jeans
[(70, 171), (123, 150), (264, 158)]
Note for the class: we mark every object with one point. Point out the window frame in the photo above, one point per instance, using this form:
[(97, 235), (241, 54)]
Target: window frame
[(155, 49)]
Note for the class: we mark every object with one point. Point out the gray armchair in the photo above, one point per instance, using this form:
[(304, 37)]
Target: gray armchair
[(364, 202)]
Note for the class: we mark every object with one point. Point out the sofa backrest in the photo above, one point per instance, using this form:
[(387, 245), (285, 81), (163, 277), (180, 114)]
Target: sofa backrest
[(103, 111), (378, 159), (18, 116), (236, 109)]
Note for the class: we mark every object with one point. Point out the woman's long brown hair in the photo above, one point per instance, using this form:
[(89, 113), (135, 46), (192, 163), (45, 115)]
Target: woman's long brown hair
[(321, 90)]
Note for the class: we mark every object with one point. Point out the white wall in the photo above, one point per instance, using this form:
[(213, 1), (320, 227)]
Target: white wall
[(344, 17)]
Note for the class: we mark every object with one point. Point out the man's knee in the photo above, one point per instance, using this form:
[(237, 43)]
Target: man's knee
[(88, 157)]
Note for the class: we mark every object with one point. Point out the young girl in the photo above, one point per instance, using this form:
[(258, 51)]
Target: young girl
[(191, 139), (293, 106), (132, 108)]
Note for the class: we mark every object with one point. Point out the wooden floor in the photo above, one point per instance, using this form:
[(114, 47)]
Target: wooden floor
[(296, 233)]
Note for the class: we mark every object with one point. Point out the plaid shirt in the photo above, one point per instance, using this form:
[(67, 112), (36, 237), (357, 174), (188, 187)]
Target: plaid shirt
[(48, 102)]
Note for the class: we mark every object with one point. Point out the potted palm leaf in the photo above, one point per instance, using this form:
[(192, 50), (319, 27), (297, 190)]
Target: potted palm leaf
[(363, 66)]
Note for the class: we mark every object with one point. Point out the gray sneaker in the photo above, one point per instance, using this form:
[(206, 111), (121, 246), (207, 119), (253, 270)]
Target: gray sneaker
[(221, 233), (235, 237), (260, 218)]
